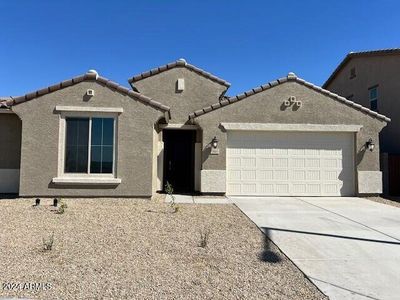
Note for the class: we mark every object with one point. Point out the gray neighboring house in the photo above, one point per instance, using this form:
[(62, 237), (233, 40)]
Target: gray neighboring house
[(90, 137), (371, 78)]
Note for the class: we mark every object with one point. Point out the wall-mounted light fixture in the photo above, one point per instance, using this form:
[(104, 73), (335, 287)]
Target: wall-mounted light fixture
[(214, 146), (214, 142), (370, 145)]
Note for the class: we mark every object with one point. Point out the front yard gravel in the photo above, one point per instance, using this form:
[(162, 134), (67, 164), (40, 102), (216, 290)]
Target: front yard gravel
[(393, 202), (136, 249)]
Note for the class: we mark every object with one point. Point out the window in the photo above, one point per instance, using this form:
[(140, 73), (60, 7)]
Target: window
[(76, 146), (89, 146), (373, 98), (352, 73)]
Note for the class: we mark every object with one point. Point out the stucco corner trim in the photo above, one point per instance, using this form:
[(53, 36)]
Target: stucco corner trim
[(6, 111), (291, 127), (178, 126), (117, 110), (86, 181), (369, 182)]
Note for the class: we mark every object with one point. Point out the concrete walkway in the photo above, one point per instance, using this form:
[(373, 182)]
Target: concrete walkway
[(349, 247), (199, 199)]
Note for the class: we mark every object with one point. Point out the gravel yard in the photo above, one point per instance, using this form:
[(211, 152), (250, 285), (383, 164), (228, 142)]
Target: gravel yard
[(137, 249), (394, 201)]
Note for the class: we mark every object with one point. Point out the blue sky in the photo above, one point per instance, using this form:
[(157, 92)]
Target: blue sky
[(246, 43)]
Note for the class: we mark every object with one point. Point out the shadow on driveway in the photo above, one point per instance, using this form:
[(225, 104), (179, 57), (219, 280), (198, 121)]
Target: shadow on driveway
[(267, 255), (268, 229)]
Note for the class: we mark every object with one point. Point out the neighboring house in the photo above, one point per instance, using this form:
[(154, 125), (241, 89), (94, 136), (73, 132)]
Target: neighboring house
[(371, 78), (89, 136)]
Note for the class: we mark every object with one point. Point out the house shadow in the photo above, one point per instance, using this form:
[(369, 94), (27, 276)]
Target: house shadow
[(267, 254)]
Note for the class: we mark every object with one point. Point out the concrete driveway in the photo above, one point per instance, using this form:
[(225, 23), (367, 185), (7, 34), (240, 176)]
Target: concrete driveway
[(349, 247)]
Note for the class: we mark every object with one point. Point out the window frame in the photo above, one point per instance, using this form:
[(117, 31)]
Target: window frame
[(374, 99), (63, 116)]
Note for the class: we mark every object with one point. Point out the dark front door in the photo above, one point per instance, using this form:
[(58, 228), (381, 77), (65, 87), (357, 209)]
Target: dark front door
[(179, 159)]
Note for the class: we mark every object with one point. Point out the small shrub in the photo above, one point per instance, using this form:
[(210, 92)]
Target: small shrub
[(170, 190), (204, 235), (48, 243), (61, 208)]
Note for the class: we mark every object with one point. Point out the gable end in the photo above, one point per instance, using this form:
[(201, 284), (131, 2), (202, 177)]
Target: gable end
[(293, 78), (89, 76)]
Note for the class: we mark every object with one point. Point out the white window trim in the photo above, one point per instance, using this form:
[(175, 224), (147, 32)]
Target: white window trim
[(85, 178), (80, 109), (86, 181), (291, 127)]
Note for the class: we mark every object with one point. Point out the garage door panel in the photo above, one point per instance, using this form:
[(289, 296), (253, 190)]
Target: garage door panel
[(264, 163), (288, 164)]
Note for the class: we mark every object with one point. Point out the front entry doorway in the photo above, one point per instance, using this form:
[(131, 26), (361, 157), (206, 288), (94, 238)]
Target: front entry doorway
[(179, 153)]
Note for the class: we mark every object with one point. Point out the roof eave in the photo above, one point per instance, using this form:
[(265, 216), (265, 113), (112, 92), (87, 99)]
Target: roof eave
[(293, 78), (90, 76), (178, 63), (351, 55)]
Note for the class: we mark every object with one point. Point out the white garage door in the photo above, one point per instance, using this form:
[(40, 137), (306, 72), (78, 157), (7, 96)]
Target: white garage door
[(290, 163)]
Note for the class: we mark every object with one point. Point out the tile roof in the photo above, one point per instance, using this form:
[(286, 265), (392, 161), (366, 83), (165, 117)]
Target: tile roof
[(290, 77), (89, 76), (178, 63), (4, 102), (350, 55)]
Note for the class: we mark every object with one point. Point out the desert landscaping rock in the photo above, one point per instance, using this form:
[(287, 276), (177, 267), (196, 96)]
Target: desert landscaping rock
[(136, 249), (393, 202)]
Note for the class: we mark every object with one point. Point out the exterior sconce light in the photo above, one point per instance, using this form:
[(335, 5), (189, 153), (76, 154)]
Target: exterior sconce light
[(214, 146), (55, 202), (370, 145), (214, 142), (37, 202)]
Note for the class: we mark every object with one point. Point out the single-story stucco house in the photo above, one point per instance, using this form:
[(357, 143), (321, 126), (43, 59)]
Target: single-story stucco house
[(89, 136)]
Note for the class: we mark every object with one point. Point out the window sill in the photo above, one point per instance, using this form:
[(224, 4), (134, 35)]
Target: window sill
[(86, 181)]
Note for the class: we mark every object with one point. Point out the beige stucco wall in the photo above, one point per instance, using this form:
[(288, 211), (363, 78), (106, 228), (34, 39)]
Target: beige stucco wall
[(266, 107), (370, 71), (40, 132), (10, 141), (199, 91)]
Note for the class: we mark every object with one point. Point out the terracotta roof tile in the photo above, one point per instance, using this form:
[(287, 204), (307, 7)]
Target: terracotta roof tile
[(90, 76), (3, 102), (291, 77), (178, 63)]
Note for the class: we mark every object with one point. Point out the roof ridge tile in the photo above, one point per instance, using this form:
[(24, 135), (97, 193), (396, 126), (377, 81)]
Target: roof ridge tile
[(85, 77), (352, 54), (178, 63), (291, 77)]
